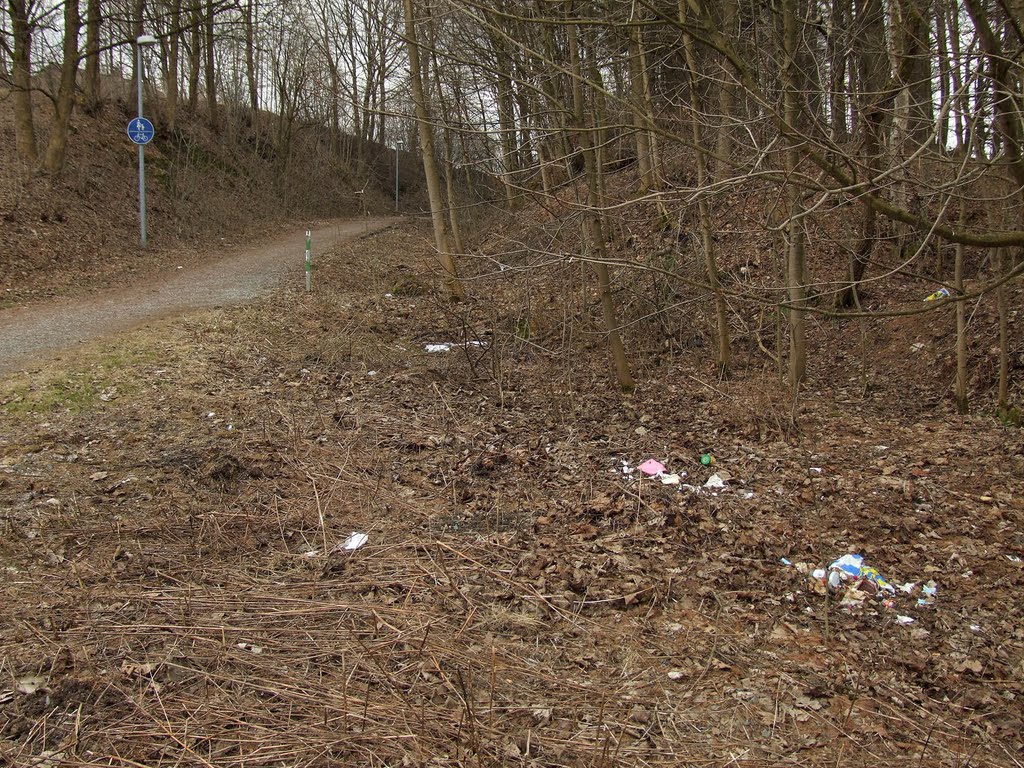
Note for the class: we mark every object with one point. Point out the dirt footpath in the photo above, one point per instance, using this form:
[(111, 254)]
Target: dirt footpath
[(221, 279)]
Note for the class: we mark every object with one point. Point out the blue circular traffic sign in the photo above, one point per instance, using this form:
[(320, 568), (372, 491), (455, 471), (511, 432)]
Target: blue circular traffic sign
[(140, 130)]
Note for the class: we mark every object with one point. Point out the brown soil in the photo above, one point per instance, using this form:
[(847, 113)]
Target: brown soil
[(173, 507)]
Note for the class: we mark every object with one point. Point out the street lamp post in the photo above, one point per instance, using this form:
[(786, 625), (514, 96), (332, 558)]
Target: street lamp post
[(398, 146), (140, 42)]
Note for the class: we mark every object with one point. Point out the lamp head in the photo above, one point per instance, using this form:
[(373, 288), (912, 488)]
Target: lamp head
[(146, 40)]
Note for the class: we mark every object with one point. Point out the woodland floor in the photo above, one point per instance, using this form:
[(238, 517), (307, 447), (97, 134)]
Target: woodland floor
[(174, 503)]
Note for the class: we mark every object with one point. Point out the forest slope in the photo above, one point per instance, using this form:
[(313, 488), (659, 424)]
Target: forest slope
[(79, 230)]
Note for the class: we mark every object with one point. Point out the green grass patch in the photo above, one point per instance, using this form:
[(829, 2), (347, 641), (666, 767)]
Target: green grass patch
[(92, 383)]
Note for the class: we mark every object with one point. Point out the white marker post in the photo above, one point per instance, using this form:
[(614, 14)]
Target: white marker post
[(309, 263)]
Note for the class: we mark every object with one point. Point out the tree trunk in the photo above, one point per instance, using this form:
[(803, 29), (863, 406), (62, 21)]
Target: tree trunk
[(91, 84), (836, 48), (21, 79), (423, 122), (57, 144), (703, 209), (171, 88), (251, 8), (726, 102), (794, 198), (194, 53), (945, 85), (873, 75), (594, 218), (645, 164), (1003, 402), (914, 74), (449, 176), (211, 71), (962, 402)]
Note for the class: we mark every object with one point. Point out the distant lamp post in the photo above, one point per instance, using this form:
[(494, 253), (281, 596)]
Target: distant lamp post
[(140, 42), (399, 145)]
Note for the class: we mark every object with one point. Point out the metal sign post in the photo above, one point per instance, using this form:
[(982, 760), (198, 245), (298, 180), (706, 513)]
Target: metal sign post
[(309, 262), (140, 131)]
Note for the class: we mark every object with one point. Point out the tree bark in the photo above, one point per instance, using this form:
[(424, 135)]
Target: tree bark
[(794, 197), (426, 136), (57, 143), (876, 96), (91, 83), (251, 8), (195, 50), (210, 69), (962, 401), (21, 80), (726, 102), (594, 218), (171, 87), (703, 209)]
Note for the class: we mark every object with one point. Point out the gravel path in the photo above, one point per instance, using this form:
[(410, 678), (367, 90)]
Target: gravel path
[(242, 273)]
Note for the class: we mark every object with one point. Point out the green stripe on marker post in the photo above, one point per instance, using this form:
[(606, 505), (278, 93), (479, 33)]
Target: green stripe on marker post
[(309, 262)]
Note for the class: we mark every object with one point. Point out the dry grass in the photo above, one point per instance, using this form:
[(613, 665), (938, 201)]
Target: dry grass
[(184, 600)]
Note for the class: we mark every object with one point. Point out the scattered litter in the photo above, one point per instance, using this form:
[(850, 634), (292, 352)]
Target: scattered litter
[(707, 459), (671, 479), (1013, 559), (389, 295), (626, 469), (816, 470), (676, 674), (446, 346), (715, 482), (371, 373), (904, 620), (975, 627), (355, 541), (652, 468), (942, 293), (747, 494), (254, 649), (819, 574), (928, 591), (852, 568), (785, 561)]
